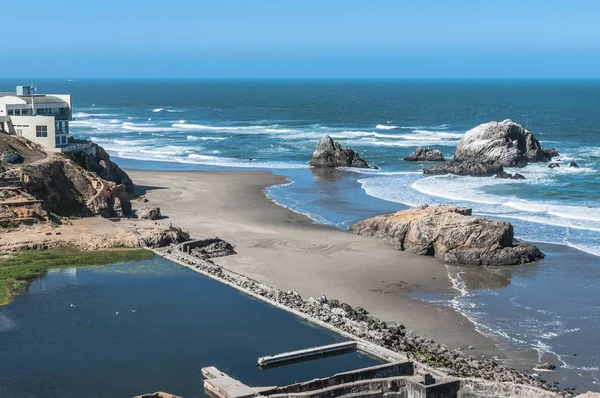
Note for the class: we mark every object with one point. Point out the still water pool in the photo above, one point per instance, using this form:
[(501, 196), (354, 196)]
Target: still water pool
[(126, 329)]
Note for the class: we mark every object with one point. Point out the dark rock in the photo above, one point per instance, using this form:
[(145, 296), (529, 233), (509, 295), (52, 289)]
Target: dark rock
[(518, 176), (506, 143), (465, 169), (450, 233), (12, 157), (553, 165), (503, 175), (545, 366), (330, 153), (573, 164), (425, 155)]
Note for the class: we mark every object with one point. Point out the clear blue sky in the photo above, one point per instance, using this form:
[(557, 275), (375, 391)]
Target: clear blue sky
[(300, 39)]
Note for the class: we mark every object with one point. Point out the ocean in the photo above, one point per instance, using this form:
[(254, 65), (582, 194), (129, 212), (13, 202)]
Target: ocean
[(552, 307)]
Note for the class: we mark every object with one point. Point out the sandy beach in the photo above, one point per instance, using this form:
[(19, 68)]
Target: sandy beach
[(287, 250)]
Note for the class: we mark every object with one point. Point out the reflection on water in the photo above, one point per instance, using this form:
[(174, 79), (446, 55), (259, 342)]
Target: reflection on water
[(127, 329)]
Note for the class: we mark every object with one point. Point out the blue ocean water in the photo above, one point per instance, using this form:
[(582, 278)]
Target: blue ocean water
[(275, 125)]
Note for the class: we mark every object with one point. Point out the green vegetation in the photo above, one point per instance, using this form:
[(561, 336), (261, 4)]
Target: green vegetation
[(23, 266), (7, 224)]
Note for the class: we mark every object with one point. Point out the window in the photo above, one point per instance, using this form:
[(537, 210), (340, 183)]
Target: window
[(41, 131), (19, 132), (64, 140), (11, 112)]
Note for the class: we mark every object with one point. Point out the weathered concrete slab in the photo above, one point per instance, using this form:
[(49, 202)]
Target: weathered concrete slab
[(307, 354)]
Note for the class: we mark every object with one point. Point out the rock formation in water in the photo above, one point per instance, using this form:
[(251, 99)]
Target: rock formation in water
[(505, 143), (450, 233), (330, 153), (476, 169), (65, 185), (425, 155), (574, 165), (505, 175)]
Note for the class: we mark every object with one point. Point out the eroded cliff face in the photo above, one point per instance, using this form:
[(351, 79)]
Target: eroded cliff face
[(83, 184), (68, 189), (98, 161)]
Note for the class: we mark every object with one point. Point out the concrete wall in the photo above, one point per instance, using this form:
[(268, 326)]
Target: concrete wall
[(373, 372), (29, 132)]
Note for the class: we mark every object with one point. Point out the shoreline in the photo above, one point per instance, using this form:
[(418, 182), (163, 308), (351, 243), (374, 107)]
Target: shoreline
[(375, 337), (284, 249)]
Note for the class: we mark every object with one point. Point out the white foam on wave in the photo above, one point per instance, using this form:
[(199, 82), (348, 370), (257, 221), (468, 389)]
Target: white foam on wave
[(194, 138), (94, 115), (157, 110), (385, 127), (574, 226)]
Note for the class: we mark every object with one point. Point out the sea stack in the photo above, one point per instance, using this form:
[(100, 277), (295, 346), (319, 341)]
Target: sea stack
[(330, 153), (504, 143), (425, 155), (450, 233)]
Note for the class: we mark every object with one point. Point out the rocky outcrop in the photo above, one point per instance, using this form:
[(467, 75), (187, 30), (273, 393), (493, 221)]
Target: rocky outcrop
[(160, 237), (450, 233), (330, 153), (505, 175), (574, 165), (505, 143), (148, 213), (84, 184), (68, 189), (476, 169), (425, 155), (98, 161)]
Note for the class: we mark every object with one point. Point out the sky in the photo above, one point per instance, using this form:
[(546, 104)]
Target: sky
[(300, 39)]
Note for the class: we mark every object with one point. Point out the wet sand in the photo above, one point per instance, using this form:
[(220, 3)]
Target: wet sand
[(287, 250)]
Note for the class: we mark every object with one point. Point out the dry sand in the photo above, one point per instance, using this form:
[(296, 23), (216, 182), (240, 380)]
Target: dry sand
[(286, 250)]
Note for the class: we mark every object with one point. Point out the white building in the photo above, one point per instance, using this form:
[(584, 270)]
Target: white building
[(43, 119)]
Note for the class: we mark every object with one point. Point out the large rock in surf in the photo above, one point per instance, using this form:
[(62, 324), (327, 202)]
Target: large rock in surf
[(505, 143), (330, 153), (476, 169), (425, 155), (450, 233)]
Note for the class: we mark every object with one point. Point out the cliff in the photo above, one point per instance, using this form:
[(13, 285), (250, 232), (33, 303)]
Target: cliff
[(84, 184)]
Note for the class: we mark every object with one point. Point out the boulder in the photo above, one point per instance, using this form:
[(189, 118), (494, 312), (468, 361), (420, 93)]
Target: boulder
[(505, 143), (573, 164), (148, 213), (330, 153), (450, 233), (545, 366), (425, 155), (553, 165), (506, 175), (160, 237), (476, 169)]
